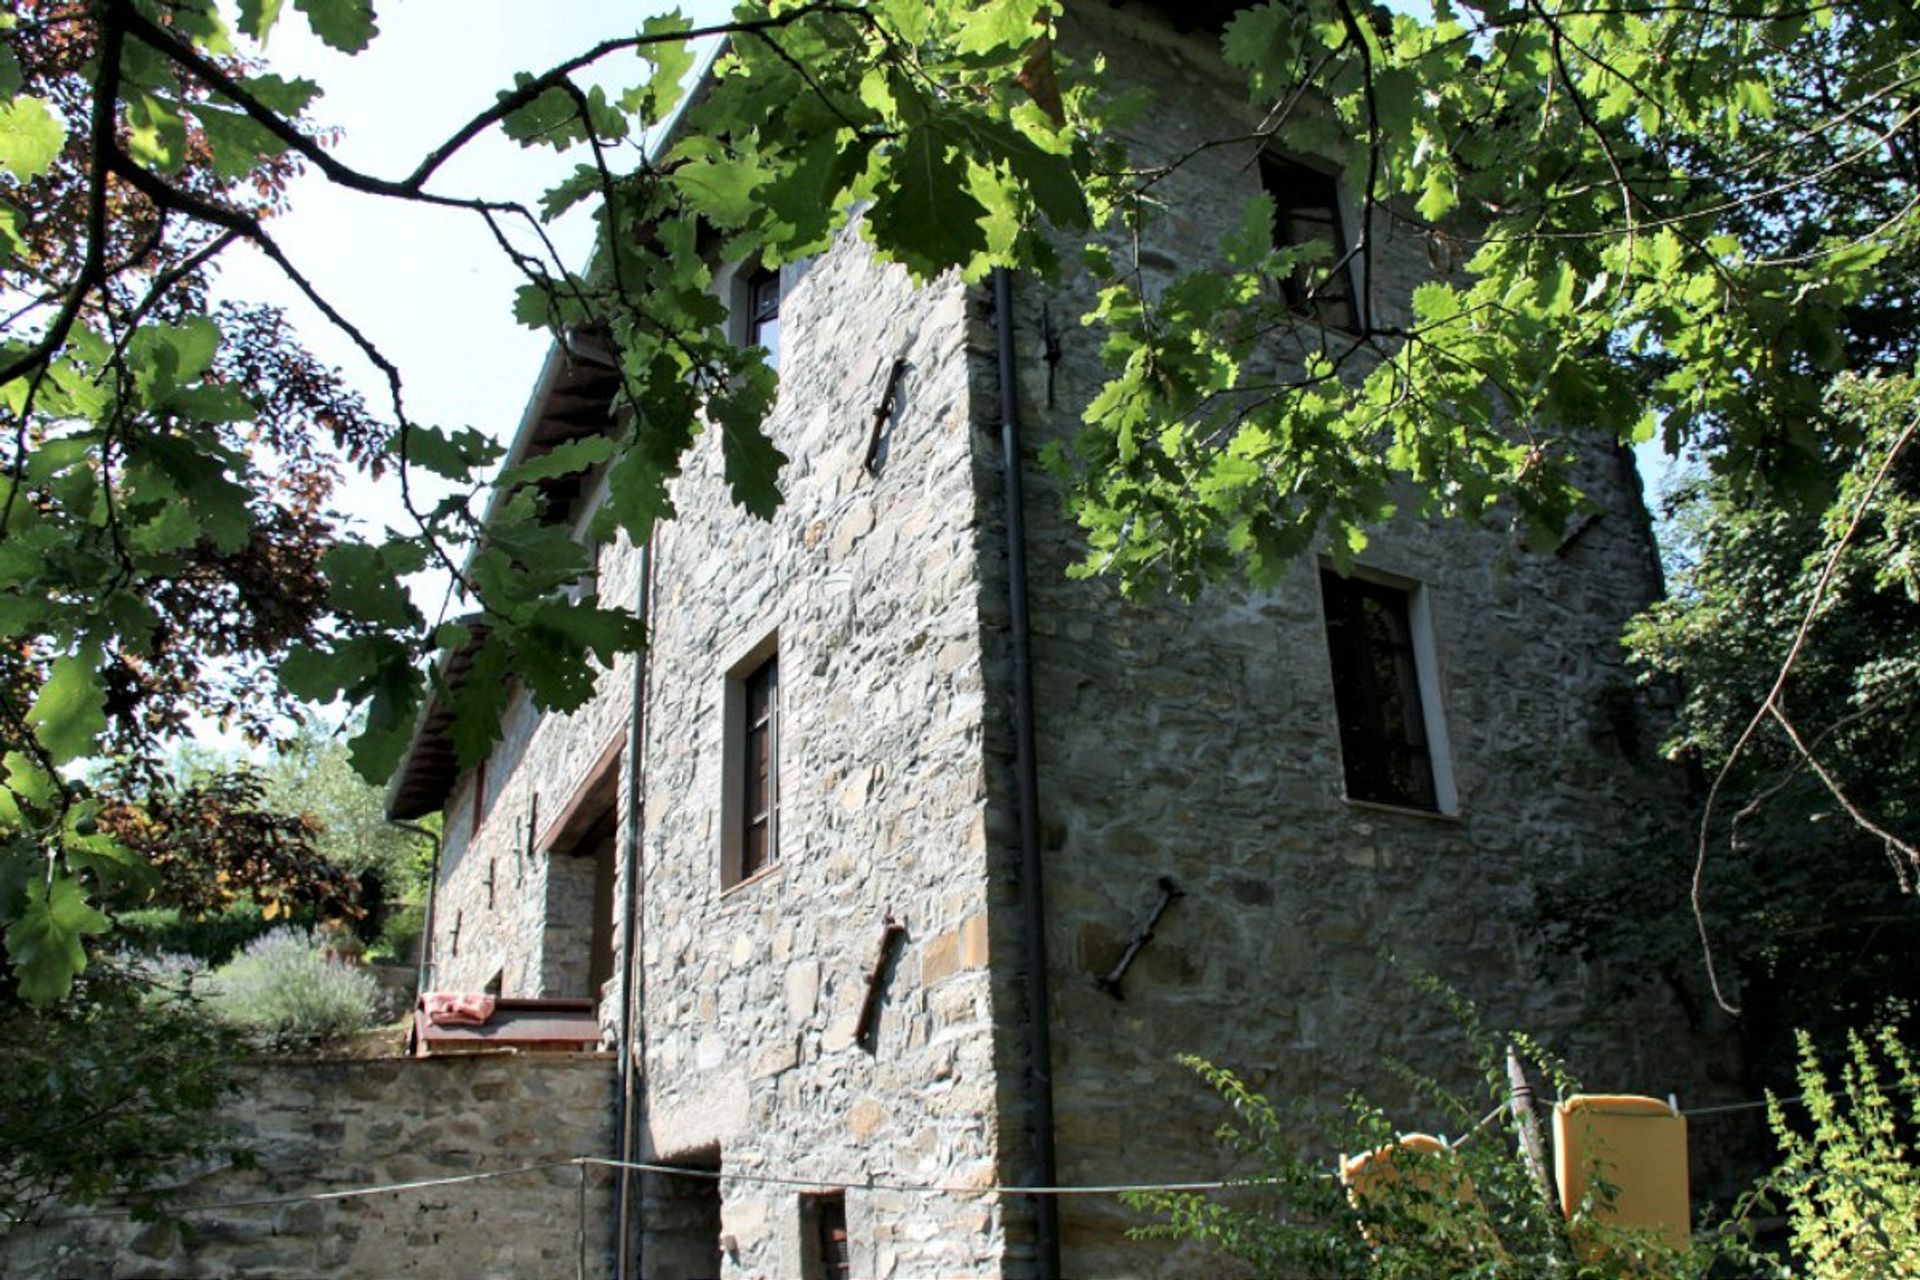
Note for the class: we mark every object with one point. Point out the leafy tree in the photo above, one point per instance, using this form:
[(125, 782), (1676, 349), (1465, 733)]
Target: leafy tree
[(1680, 219), (216, 841), (1805, 867), (310, 775), (143, 539), (103, 1092), (1674, 219)]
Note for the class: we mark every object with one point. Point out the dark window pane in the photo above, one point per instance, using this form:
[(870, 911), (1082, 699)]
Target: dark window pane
[(759, 765), (763, 313), (831, 1247), (1376, 689), (1307, 211)]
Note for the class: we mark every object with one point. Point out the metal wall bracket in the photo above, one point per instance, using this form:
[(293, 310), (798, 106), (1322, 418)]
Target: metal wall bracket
[(882, 412), (1142, 935), (866, 1032)]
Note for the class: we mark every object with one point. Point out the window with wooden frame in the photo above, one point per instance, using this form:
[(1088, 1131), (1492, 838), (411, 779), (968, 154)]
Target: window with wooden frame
[(751, 791), (763, 312), (1307, 212), (1392, 734)]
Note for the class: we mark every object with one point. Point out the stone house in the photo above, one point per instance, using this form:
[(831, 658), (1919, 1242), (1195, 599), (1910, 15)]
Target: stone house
[(875, 825)]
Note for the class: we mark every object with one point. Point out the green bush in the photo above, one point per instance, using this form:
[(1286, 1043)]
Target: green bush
[(1848, 1185), (102, 1094), (1848, 1179), (282, 991), (214, 939), (1475, 1209)]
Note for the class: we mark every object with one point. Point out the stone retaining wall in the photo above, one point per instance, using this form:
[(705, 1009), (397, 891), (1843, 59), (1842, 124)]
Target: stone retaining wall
[(328, 1126)]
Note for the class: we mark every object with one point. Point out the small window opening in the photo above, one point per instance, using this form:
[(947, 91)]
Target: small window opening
[(828, 1255), (763, 312), (757, 850), (1306, 212), (750, 800), (1384, 744)]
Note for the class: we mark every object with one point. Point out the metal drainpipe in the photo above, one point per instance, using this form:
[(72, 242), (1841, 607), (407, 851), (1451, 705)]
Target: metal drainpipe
[(1027, 787), (423, 976), (626, 1248)]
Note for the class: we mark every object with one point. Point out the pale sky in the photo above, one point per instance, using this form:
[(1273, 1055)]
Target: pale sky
[(430, 286)]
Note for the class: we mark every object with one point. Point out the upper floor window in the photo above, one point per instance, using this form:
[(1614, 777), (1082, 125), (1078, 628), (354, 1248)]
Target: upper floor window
[(1306, 212), (757, 849), (1391, 732), (751, 781), (763, 312)]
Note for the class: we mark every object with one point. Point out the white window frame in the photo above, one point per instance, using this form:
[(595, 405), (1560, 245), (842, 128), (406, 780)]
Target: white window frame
[(1426, 670), (1351, 230)]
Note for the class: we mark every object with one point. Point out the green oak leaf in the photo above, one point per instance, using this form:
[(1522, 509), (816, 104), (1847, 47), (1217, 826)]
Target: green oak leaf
[(455, 455), (1000, 24), (926, 217), (237, 141), (30, 137), (288, 97), (69, 714), (562, 460), (752, 462), (346, 25), (257, 17), (45, 938), (364, 587)]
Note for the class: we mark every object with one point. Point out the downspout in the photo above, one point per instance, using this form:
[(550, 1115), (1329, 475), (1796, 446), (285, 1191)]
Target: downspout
[(423, 976), (1033, 941), (626, 1247)]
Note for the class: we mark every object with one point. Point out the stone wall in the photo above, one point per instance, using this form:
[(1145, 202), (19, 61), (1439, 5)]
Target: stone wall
[(865, 586), (1195, 743), (1200, 743), (506, 904), (330, 1126)]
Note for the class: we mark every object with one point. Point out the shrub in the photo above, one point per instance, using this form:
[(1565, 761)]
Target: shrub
[(103, 1093), (399, 941), (1850, 1184), (1473, 1209), (215, 939), (280, 989)]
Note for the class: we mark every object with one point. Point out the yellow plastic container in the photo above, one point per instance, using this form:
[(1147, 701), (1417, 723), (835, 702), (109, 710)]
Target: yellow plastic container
[(1638, 1146)]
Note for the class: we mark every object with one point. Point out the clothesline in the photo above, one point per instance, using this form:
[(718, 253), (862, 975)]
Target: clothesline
[(815, 1184)]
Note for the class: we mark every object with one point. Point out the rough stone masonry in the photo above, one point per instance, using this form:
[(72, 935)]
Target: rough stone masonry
[(1196, 744), (333, 1126)]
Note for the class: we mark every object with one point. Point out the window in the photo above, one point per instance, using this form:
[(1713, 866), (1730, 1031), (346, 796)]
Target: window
[(1392, 735), (1307, 211), (823, 1239), (763, 312), (757, 849), (751, 796)]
